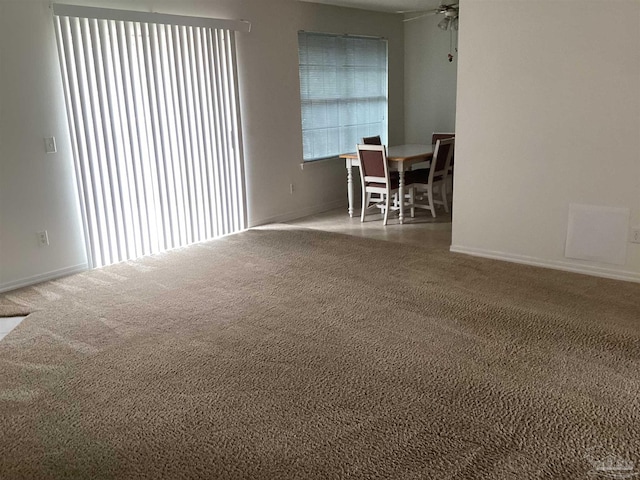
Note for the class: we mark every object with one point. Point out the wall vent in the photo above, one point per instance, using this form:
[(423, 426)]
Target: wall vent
[(598, 234)]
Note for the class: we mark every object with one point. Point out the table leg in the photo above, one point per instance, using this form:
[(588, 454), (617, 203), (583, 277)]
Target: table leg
[(350, 189), (401, 195)]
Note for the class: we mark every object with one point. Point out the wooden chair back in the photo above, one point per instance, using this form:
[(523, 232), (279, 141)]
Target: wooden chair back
[(435, 136), (442, 154), (373, 164), (372, 140), (441, 136)]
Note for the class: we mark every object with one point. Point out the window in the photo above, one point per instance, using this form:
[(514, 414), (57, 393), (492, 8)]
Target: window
[(343, 92), (153, 116)]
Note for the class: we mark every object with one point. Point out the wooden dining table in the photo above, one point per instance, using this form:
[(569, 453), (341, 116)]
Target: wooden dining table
[(400, 158)]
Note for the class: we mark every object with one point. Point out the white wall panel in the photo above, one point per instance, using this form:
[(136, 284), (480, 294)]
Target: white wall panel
[(548, 115), (430, 79)]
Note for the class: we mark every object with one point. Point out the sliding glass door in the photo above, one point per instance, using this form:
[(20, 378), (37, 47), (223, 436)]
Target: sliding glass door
[(155, 130)]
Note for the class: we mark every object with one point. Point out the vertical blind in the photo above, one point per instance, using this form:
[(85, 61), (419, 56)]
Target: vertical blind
[(154, 126), (343, 92)]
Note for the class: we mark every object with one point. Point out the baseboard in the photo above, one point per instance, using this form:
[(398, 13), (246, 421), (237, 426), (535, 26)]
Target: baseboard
[(305, 212), (43, 277), (553, 264)]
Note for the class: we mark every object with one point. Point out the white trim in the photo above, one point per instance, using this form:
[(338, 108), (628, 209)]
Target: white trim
[(603, 272), (149, 17), (43, 277), (305, 212)]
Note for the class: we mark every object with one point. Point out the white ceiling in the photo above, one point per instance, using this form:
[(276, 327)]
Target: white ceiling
[(385, 5)]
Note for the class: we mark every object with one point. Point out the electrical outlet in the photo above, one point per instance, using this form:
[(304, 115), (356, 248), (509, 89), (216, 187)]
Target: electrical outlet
[(50, 145), (43, 238), (291, 188), (635, 235)]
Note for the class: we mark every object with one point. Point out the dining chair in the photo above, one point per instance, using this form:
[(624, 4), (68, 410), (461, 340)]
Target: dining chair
[(376, 140), (426, 182), (372, 140), (376, 179), (435, 136), (441, 136)]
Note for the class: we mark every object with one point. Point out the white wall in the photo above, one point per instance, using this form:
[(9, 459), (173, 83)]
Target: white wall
[(37, 191), (430, 79), (548, 115)]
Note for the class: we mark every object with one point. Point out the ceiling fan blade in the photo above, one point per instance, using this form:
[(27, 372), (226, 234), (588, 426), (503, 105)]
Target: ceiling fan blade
[(422, 14), (433, 10), (450, 10)]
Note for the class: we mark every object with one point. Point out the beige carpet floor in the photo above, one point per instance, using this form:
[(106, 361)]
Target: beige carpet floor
[(292, 353)]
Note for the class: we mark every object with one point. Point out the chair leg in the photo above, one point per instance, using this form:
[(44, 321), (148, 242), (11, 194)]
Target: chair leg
[(365, 204), (443, 189), (431, 206), (386, 210), (412, 199)]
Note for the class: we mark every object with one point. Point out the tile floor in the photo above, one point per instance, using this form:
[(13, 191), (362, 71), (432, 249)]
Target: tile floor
[(422, 230), (7, 324)]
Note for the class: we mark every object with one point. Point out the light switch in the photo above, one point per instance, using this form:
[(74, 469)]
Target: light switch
[(50, 144)]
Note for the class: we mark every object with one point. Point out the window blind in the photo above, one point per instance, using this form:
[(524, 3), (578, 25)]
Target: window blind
[(343, 92), (154, 124)]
